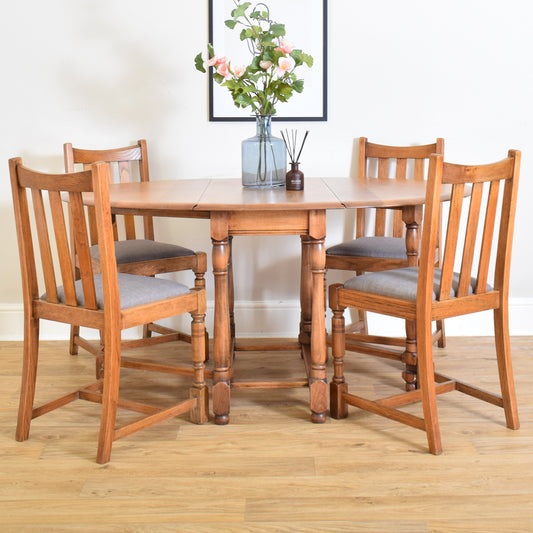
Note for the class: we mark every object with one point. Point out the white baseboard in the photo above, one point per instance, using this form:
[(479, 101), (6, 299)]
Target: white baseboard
[(281, 319)]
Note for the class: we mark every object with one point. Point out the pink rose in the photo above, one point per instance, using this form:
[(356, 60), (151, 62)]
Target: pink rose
[(285, 46), (216, 61), (223, 70), (285, 64), (239, 70), (213, 61)]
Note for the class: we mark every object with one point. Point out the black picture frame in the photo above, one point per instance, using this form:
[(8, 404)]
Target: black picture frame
[(314, 108)]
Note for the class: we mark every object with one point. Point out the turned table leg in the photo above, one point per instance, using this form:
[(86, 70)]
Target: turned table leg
[(222, 327), (411, 217), (317, 265)]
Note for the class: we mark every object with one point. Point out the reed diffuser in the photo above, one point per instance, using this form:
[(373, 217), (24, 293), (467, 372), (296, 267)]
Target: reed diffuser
[(295, 177)]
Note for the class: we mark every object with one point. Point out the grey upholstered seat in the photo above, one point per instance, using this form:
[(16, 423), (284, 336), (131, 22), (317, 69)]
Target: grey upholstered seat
[(389, 247), (136, 250), (134, 290), (401, 283)]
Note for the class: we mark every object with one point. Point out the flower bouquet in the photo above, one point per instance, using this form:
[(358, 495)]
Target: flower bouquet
[(268, 79)]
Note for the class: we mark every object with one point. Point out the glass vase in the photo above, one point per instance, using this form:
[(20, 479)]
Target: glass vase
[(264, 158)]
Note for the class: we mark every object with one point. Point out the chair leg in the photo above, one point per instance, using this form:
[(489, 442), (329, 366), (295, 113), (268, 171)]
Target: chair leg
[(231, 290), (409, 356), (441, 343), (427, 386), (147, 332), (29, 376), (109, 396), (73, 346), (200, 413), (362, 317), (338, 407), (100, 360), (505, 367), (200, 270)]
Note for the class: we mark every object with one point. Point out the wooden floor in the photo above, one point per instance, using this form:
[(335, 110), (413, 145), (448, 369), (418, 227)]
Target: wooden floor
[(270, 469)]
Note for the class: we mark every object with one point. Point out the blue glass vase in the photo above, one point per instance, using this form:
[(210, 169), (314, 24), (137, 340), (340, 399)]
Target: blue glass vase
[(264, 158)]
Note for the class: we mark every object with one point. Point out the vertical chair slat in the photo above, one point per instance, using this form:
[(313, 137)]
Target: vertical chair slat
[(81, 241), (505, 236), (45, 249), (450, 248), (110, 181), (145, 176), (470, 239), (398, 226), (124, 170), (63, 248), (419, 169), (383, 169), (360, 223), (381, 222), (30, 289), (92, 225), (488, 237), (69, 165), (381, 214), (401, 169), (115, 227), (129, 224), (397, 223)]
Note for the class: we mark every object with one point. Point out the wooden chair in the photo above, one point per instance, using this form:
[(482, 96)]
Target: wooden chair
[(425, 293), (379, 244), (108, 300), (143, 256)]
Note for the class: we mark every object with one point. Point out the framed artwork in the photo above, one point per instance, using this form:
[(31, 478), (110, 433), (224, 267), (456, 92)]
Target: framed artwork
[(306, 26)]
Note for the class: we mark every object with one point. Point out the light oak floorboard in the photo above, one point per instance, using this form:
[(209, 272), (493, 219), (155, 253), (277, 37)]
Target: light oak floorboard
[(270, 469)]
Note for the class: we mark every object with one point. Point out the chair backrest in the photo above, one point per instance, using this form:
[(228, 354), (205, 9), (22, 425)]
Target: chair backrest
[(40, 211), (390, 162), (126, 164), (480, 213)]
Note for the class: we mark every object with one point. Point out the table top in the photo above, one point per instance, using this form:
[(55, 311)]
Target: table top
[(229, 194), (164, 195), (373, 192), (205, 195)]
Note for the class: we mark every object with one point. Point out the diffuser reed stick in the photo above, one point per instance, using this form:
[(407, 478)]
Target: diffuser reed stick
[(291, 143)]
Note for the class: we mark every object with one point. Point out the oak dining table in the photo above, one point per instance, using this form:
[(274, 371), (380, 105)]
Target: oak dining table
[(233, 211)]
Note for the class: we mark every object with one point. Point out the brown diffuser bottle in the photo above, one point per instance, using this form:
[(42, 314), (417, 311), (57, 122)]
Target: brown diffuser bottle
[(295, 178)]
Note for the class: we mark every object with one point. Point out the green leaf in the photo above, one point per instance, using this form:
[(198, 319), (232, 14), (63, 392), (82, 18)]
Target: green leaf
[(254, 65), (267, 40), (270, 55), (210, 49), (240, 10), (247, 33), (285, 89), (243, 100), (298, 86), (232, 85), (230, 23), (278, 29), (199, 63), (308, 60)]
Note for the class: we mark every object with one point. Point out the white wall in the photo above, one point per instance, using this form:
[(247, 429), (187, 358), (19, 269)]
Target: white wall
[(105, 73)]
